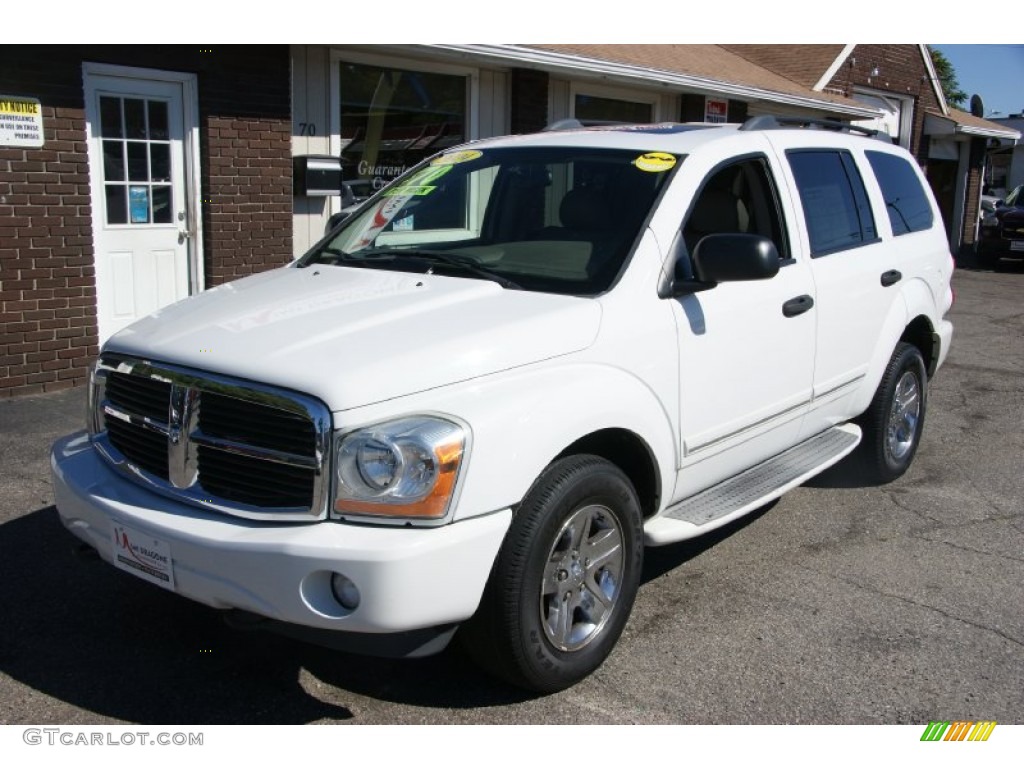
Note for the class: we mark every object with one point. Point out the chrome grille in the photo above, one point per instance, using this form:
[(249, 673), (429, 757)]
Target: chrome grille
[(252, 423), (234, 446), (254, 481), (145, 448)]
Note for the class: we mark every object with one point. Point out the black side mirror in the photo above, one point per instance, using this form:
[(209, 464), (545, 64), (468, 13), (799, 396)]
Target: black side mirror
[(733, 257), (726, 258), (336, 219)]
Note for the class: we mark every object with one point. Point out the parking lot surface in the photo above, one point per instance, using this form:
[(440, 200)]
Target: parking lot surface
[(837, 604)]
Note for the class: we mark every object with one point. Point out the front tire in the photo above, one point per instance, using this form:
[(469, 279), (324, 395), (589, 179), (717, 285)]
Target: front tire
[(893, 422), (565, 580)]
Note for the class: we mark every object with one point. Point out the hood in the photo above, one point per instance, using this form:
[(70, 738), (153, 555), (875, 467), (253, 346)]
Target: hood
[(354, 336)]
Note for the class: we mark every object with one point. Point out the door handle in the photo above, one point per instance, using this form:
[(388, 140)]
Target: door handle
[(891, 277), (797, 306)]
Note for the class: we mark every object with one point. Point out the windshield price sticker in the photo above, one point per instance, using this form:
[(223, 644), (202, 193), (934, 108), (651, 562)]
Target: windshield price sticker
[(143, 555)]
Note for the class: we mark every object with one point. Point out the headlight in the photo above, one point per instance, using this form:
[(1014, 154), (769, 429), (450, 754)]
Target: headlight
[(403, 468)]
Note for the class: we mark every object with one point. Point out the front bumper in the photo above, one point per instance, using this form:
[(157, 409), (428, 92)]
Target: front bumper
[(408, 578)]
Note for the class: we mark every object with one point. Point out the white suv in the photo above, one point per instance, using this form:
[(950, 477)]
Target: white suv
[(473, 404)]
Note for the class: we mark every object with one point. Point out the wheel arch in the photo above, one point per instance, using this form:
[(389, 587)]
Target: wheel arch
[(921, 333), (630, 453), (909, 320)]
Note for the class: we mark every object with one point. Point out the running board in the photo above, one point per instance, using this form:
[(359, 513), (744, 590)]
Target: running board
[(753, 488)]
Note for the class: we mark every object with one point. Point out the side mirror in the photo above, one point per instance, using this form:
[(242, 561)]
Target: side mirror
[(726, 258), (336, 219), (734, 257)]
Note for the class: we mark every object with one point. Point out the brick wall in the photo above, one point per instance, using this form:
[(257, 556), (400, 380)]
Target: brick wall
[(246, 128), (48, 330), (47, 286), (972, 194), (901, 71)]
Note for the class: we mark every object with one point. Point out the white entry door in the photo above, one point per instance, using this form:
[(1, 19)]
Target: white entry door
[(144, 227)]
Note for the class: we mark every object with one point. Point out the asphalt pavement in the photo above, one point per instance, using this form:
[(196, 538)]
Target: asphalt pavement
[(837, 604)]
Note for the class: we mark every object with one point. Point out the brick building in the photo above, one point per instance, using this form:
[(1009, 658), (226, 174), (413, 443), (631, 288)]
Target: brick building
[(162, 171)]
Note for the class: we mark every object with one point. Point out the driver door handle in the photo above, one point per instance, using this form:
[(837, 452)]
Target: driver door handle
[(797, 306)]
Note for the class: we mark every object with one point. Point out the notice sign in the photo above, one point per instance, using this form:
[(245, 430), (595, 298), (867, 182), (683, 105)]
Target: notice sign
[(716, 110), (21, 122)]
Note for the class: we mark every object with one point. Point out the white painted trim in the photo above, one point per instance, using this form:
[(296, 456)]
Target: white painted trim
[(906, 107), (947, 125), (193, 160), (933, 78), (960, 197), (571, 66), (834, 67), (619, 93)]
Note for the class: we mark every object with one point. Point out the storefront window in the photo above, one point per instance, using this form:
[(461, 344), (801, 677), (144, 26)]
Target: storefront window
[(615, 110), (391, 119)]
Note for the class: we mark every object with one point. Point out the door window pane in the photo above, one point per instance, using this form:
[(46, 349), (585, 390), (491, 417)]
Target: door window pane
[(161, 204), (138, 204), (110, 117), (138, 167), (113, 161), (393, 118), (160, 162), (135, 118), (117, 211), (158, 120)]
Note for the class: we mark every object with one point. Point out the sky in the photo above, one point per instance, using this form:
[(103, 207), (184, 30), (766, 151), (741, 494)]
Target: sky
[(995, 72)]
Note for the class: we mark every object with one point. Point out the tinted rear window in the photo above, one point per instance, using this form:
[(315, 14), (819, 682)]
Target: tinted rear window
[(905, 198), (835, 204)]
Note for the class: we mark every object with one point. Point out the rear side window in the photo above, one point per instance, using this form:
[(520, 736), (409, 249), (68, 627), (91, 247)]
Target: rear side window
[(905, 198), (835, 204)]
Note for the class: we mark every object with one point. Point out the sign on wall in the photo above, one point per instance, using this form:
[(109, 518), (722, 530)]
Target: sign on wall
[(716, 110), (21, 122)]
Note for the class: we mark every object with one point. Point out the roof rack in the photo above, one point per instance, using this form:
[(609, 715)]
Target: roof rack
[(771, 122)]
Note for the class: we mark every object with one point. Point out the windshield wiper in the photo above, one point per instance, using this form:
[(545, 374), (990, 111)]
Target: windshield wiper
[(464, 263)]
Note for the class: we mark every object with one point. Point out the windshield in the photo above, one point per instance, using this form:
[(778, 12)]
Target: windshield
[(553, 219)]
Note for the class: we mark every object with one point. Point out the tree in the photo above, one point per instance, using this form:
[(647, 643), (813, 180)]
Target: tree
[(955, 96)]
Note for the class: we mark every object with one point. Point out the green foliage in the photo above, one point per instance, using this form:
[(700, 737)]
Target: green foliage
[(955, 96)]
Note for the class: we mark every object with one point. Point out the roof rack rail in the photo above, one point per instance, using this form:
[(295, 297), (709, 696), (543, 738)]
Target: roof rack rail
[(771, 122), (572, 124)]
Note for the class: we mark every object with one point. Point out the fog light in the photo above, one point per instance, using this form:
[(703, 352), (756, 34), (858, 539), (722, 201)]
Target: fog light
[(345, 592)]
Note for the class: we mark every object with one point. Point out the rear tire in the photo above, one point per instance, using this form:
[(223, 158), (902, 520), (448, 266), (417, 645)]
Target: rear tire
[(565, 579), (893, 422)]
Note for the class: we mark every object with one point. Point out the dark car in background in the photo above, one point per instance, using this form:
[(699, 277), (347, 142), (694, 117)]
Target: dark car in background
[(1002, 231)]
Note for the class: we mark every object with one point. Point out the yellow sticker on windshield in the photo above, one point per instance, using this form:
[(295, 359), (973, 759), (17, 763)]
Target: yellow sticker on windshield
[(457, 157), (655, 162)]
